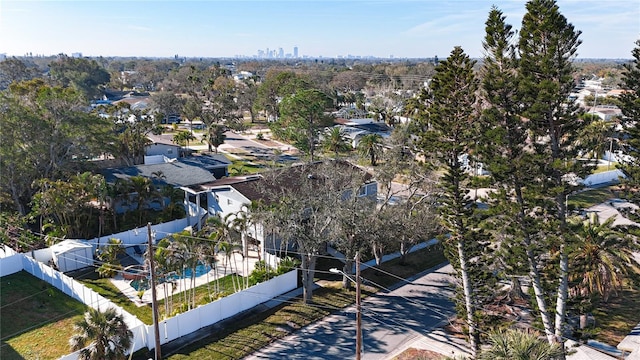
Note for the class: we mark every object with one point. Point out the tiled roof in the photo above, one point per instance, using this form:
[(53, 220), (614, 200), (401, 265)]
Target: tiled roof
[(162, 139)]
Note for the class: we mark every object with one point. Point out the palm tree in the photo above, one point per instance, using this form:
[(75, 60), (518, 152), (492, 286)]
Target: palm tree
[(215, 136), (106, 334), (182, 138), (108, 255), (335, 141), (163, 268), (370, 146), (145, 191), (229, 250), (187, 249), (514, 344), (595, 136), (602, 259)]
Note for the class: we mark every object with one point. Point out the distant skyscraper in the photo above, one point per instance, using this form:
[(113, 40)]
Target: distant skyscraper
[(295, 52), (280, 53)]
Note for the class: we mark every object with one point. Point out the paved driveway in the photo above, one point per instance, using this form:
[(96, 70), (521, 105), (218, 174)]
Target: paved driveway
[(389, 320)]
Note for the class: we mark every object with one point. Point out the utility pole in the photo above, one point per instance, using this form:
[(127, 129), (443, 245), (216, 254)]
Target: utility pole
[(358, 309), (154, 301)]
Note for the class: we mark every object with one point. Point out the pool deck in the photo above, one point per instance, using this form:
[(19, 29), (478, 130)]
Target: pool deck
[(245, 270)]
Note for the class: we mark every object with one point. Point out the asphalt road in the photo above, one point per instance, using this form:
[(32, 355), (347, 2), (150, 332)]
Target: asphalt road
[(389, 320), (241, 142)]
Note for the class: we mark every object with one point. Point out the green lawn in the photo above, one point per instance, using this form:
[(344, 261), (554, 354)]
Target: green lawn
[(588, 198), (604, 168), (204, 294), (36, 319), (616, 319)]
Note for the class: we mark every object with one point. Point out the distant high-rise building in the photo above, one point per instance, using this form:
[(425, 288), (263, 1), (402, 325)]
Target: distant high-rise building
[(295, 52), (280, 53), (76, 55)]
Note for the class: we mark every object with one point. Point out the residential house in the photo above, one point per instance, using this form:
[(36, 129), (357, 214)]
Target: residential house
[(355, 129), (606, 112), (180, 173), (163, 145), (232, 195)]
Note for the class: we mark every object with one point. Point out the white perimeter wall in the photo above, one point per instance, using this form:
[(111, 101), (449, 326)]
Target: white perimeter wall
[(226, 307)]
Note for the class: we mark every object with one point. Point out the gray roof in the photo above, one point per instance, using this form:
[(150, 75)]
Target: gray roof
[(176, 173), (162, 139), (207, 161)]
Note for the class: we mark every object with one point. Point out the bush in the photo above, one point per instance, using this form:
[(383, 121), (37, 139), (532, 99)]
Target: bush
[(261, 273), (287, 264)]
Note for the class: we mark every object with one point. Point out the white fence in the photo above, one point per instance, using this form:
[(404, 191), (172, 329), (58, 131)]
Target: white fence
[(10, 261), (139, 235), (226, 307)]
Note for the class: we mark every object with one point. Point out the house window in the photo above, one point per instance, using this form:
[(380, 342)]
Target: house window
[(169, 151), (372, 189), (362, 191), (229, 202)]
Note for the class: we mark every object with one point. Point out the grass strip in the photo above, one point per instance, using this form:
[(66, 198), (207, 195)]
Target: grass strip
[(588, 198), (616, 318), (256, 331), (37, 319)]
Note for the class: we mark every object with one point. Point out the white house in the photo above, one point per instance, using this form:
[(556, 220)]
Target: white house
[(161, 145), (233, 196), (606, 112)]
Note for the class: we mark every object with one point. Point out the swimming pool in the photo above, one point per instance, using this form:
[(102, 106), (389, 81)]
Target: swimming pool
[(143, 284)]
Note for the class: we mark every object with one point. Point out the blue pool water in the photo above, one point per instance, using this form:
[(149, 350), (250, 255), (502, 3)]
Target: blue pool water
[(143, 284)]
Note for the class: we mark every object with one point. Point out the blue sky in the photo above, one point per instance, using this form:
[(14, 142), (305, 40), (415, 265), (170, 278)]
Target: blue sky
[(328, 28)]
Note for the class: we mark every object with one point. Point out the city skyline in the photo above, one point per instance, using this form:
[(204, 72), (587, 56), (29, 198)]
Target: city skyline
[(356, 28)]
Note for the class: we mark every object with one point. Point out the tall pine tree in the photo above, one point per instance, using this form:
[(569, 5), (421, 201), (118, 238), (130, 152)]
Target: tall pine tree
[(547, 46), (507, 154), (447, 132), (630, 105)]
